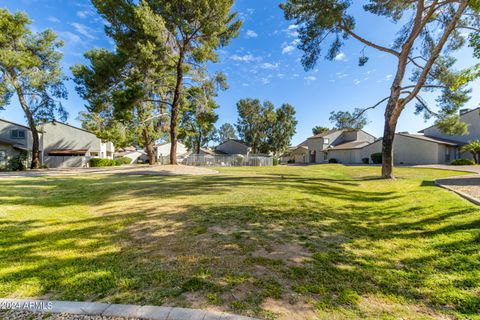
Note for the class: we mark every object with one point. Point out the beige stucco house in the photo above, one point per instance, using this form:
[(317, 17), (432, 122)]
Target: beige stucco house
[(429, 146), (61, 145), (14, 138)]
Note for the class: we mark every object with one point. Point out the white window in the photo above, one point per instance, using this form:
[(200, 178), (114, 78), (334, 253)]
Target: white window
[(17, 134), (326, 141)]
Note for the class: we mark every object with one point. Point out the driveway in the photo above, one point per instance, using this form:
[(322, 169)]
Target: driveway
[(157, 170), (472, 169)]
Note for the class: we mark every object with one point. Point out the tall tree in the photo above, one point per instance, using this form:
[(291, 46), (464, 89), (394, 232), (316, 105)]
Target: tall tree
[(30, 68), (225, 132), (119, 96), (283, 129), (319, 129), (432, 28), (195, 29), (347, 120), (132, 83), (263, 128), (198, 119), (252, 124)]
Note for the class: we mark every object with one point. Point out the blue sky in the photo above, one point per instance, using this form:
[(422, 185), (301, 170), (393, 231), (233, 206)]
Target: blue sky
[(262, 62)]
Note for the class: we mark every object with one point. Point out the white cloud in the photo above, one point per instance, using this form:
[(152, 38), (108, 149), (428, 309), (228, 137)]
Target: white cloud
[(53, 19), (341, 57), (245, 84), (269, 66), (265, 80), (288, 49), (244, 58), (310, 78), (291, 31), (84, 14), (251, 34), (388, 77), (71, 38), (83, 30), (356, 81)]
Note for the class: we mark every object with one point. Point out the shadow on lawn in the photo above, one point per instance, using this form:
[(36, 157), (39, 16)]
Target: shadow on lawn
[(153, 254)]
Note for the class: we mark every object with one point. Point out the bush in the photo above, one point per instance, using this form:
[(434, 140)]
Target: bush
[(332, 160), (463, 162), (122, 161), (17, 163), (97, 162), (365, 160), (376, 158), (276, 161), (291, 161)]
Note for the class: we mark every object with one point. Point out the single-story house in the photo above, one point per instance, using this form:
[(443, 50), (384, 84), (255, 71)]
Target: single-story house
[(233, 146), (131, 153), (162, 151)]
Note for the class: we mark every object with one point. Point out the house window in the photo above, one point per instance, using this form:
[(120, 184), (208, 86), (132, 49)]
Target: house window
[(326, 141), (447, 155), (17, 134), (3, 158)]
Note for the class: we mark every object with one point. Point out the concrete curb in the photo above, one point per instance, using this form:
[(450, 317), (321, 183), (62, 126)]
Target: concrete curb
[(115, 310), (460, 193)]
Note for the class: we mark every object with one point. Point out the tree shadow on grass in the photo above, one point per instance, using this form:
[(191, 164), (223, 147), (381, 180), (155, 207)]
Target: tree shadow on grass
[(222, 253)]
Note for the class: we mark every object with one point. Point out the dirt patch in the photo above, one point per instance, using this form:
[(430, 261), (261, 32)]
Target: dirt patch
[(290, 253), (286, 311)]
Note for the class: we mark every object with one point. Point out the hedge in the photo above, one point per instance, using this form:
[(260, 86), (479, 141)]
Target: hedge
[(97, 162), (463, 162)]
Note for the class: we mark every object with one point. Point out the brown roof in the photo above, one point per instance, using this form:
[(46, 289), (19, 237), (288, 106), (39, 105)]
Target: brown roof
[(68, 152), (350, 145), (432, 139)]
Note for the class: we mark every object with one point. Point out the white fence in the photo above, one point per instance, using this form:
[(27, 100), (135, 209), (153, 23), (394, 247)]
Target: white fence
[(238, 160)]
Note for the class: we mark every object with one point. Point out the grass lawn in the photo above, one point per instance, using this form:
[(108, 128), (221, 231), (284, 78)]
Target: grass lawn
[(322, 241)]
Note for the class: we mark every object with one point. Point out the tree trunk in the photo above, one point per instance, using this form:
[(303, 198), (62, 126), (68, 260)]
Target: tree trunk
[(149, 148), (198, 143), (175, 104), (387, 150), (31, 124)]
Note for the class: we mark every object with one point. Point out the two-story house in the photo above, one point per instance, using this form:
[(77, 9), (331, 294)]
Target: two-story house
[(14, 138), (61, 145)]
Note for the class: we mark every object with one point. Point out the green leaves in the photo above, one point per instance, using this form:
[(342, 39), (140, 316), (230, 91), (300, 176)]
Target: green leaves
[(264, 128), (347, 120), (30, 66)]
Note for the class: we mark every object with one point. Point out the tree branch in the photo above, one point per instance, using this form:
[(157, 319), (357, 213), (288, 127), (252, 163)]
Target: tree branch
[(436, 52), (368, 43)]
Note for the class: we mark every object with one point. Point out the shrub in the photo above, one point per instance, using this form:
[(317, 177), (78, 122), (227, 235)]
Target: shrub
[(291, 161), (97, 162), (463, 162), (122, 161), (376, 158), (275, 161), (365, 160), (17, 163), (332, 160)]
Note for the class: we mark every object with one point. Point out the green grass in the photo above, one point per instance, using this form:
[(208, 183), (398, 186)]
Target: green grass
[(327, 241)]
